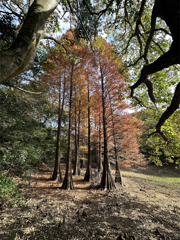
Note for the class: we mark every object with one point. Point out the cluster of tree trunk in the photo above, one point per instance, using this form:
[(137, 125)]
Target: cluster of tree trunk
[(20, 57)]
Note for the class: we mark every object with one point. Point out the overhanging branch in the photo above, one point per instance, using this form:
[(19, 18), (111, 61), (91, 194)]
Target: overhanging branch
[(26, 91), (20, 56)]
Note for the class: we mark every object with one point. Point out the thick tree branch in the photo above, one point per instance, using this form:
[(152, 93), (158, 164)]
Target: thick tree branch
[(20, 56), (168, 59), (172, 18), (149, 86), (171, 109), (58, 42)]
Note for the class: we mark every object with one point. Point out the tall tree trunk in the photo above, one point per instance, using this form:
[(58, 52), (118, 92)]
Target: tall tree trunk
[(68, 181), (57, 169), (57, 172), (75, 128), (100, 166), (95, 146), (118, 177), (77, 170), (88, 175), (107, 181), (83, 161)]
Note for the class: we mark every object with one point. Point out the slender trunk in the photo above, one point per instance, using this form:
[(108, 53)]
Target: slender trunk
[(68, 181), (75, 128), (83, 161), (57, 171), (88, 175), (118, 177), (107, 181), (95, 146), (100, 166), (77, 138)]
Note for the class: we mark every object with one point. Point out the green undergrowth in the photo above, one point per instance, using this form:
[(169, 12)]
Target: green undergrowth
[(9, 192)]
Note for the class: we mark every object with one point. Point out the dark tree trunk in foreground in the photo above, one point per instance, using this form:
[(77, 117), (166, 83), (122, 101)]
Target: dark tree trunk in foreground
[(57, 170), (100, 166), (77, 170), (107, 181), (68, 181), (88, 175)]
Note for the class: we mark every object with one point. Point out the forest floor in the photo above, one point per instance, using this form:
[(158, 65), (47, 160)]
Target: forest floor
[(147, 207)]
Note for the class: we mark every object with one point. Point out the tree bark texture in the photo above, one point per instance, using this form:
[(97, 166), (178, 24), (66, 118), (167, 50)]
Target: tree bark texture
[(96, 152), (118, 177), (88, 174), (57, 170), (20, 56), (100, 166), (68, 181), (77, 170), (107, 181)]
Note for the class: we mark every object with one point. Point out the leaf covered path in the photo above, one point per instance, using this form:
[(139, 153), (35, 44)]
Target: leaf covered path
[(146, 208)]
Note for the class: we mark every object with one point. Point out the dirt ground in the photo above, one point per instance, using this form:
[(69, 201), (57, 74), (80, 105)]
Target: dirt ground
[(147, 207)]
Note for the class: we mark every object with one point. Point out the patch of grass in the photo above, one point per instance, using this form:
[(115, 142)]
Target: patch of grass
[(162, 179)]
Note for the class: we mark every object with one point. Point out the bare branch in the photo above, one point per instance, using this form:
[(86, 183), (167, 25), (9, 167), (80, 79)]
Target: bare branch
[(162, 134), (71, 9), (13, 12), (26, 91), (158, 46), (153, 24), (127, 45), (126, 13), (141, 103), (133, 64), (34, 81), (138, 22), (100, 13), (58, 42), (159, 29)]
